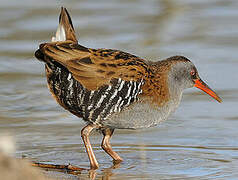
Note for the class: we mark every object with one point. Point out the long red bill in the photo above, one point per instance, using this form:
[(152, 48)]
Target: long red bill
[(203, 86)]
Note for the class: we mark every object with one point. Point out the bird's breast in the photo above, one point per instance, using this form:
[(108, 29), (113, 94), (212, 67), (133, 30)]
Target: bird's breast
[(141, 114), (121, 105)]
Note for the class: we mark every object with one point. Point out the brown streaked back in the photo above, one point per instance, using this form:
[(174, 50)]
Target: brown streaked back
[(94, 68)]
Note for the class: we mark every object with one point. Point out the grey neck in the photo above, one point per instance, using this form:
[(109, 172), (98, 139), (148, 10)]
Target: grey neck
[(176, 88), (179, 79)]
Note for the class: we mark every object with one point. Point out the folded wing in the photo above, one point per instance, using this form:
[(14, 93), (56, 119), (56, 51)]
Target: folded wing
[(94, 68)]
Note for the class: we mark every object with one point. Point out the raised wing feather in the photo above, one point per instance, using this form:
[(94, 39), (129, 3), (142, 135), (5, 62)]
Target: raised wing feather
[(94, 68)]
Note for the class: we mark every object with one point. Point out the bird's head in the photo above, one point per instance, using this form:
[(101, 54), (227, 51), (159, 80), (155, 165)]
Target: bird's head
[(183, 74)]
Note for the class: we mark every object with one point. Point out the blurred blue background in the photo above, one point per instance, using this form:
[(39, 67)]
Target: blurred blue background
[(198, 141)]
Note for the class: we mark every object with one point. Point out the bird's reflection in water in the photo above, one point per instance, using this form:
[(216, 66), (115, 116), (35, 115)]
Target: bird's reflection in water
[(106, 172)]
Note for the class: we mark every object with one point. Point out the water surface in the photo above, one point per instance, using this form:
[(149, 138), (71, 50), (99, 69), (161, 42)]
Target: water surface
[(199, 141)]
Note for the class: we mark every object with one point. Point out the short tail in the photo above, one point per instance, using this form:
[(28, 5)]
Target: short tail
[(65, 30)]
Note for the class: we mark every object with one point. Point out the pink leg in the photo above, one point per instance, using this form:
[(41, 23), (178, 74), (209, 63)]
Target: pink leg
[(107, 134), (85, 136)]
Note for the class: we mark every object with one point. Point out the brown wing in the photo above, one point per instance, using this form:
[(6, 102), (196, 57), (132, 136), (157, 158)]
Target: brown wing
[(94, 68)]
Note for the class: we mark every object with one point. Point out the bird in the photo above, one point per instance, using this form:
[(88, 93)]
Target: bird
[(111, 89)]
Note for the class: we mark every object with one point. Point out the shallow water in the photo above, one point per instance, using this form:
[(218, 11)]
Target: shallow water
[(199, 141)]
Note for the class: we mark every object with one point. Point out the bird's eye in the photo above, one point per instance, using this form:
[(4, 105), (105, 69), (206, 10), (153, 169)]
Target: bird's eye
[(193, 72)]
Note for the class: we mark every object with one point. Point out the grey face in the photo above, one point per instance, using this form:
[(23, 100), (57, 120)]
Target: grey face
[(183, 75)]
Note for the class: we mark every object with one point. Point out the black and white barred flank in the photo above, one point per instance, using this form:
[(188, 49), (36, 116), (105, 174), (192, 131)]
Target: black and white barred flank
[(93, 106)]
